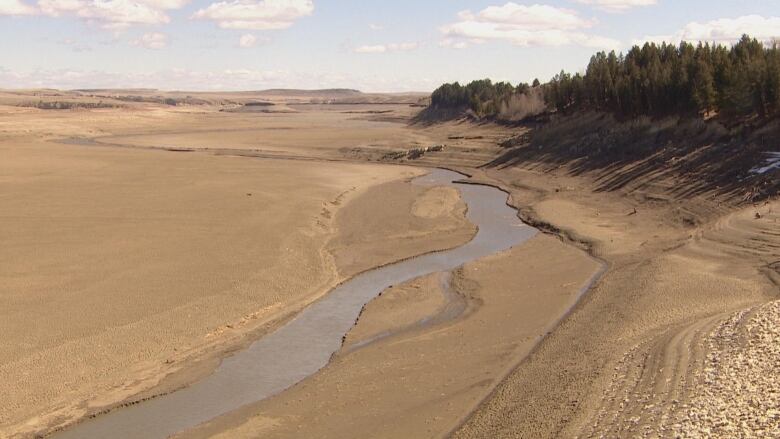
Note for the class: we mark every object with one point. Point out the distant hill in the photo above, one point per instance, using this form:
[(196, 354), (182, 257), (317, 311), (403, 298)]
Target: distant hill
[(115, 90), (115, 97), (316, 92)]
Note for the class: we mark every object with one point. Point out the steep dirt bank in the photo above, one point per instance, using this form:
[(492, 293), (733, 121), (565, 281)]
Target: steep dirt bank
[(689, 156)]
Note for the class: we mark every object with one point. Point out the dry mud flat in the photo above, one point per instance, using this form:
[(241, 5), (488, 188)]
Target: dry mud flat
[(621, 364), (120, 266)]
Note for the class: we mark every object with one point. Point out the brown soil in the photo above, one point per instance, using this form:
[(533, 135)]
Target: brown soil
[(428, 376), (105, 246), (684, 256)]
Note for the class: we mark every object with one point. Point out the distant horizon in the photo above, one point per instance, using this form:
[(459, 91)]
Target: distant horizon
[(372, 46), (260, 91)]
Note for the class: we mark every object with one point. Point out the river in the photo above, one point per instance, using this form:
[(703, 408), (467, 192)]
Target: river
[(305, 344)]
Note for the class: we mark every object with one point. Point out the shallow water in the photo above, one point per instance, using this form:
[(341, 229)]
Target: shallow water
[(305, 344)]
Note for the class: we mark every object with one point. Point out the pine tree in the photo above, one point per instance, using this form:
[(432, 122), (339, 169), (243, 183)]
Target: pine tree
[(655, 80), (703, 86)]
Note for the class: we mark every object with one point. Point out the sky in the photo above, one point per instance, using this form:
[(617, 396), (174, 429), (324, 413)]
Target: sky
[(371, 45)]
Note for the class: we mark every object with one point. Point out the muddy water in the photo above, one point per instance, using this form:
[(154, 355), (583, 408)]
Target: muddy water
[(305, 344)]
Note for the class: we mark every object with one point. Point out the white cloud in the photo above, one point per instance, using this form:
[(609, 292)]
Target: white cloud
[(374, 26), (56, 8), (112, 14), (618, 5), (152, 40), (453, 44), (535, 25), (15, 7), (256, 14), (247, 40), (165, 4), (724, 30), (538, 17), (384, 48)]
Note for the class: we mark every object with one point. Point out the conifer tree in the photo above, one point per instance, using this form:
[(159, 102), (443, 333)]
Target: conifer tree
[(655, 80)]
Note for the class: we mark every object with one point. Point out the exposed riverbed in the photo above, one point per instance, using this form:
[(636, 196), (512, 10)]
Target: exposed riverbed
[(305, 344)]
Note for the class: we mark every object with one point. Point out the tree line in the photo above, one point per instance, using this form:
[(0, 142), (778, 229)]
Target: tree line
[(655, 80), (483, 96)]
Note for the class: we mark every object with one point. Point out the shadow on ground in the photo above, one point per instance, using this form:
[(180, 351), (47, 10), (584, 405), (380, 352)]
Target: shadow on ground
[(687, 157)]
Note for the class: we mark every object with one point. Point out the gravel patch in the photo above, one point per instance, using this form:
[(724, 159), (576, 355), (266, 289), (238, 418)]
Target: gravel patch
[(738, 395)]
